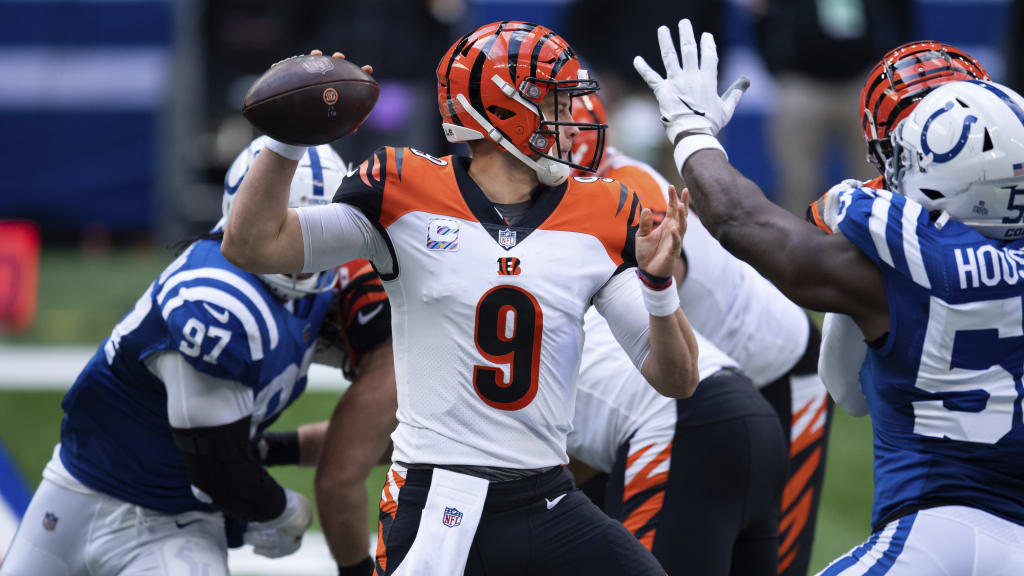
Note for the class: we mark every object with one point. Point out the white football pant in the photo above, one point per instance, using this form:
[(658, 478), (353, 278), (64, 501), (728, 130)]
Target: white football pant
[(948, 540), (70, 530)]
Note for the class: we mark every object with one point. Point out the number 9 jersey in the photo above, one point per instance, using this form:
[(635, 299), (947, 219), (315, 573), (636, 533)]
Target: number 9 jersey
[(944, 386), (487, 316)]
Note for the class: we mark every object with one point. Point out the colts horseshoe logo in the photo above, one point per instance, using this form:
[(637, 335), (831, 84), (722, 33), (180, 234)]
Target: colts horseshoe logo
[(965, 132)]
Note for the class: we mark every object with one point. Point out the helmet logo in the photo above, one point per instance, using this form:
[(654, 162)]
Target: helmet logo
[(965, 132), (530, 90), (330, 96)]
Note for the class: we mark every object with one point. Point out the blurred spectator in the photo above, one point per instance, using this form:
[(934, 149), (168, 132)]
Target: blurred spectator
[(819, 52)]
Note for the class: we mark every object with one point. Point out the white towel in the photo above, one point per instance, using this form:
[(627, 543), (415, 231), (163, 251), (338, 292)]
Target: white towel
[(447, 526)]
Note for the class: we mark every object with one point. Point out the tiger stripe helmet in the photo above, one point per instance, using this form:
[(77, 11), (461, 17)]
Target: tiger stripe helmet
[(903, 77), (587, 147), (491, 82)]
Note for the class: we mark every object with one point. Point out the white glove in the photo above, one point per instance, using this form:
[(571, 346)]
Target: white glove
[(688, 96), (282, 535)]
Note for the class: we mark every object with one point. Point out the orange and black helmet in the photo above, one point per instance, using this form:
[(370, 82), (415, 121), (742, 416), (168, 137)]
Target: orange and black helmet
[(589, 145), (491, 82), (900, 80)]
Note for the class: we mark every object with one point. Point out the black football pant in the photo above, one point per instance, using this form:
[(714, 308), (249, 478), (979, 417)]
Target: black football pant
[(716, 512), (521, 533)]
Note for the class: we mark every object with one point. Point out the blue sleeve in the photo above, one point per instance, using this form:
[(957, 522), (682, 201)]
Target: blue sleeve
[(217, 331), (895, 232)]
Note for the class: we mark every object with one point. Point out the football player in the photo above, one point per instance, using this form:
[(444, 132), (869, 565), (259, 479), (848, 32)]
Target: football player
[(490, 264), (696, 481), (773, 342), (162, 451), (930, 274), (895, 85)]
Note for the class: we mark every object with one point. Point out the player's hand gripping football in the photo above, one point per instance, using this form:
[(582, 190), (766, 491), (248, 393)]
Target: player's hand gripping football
[(282, 535), (368, 69), (688, 95), (658, 248)]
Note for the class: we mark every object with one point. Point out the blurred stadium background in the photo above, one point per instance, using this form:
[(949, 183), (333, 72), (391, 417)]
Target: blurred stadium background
[(119, 118)]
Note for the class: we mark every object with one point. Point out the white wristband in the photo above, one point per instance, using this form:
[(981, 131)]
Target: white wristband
[(287, 150), (662, 302), (691, 144)]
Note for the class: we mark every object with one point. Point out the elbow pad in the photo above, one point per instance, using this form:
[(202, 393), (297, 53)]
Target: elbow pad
[(219, 464)]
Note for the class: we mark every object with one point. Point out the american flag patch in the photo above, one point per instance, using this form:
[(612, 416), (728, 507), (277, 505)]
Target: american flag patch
[(1018, 169)]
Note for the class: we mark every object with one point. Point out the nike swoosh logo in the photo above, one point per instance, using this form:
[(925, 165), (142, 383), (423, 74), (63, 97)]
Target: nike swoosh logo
[(553, 503), (692, 109), (221, 316), (365, 318), (352, 172), (181, 525)]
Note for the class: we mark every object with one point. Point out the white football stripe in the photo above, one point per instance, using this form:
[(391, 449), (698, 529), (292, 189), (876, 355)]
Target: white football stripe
[(912, 246), (226, 301), (235, 282), (877, 224)]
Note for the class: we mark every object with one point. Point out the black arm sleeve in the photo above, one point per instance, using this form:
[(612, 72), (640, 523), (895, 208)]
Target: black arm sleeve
[(219, 463)]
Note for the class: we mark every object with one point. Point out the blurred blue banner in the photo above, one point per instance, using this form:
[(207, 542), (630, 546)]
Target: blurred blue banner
[(83, 86)]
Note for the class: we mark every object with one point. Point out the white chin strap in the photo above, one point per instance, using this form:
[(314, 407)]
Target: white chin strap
[(549, 172)]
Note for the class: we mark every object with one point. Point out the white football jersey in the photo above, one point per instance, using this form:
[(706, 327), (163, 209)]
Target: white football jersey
[(487, 317), (613, 400), (728, 301)]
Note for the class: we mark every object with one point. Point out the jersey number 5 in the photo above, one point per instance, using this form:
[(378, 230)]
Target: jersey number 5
[(508, 330), (969, 350)]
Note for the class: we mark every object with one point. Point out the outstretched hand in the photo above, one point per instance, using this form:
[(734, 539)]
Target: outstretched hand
[(658, 248), (688, 94), (367, 68)]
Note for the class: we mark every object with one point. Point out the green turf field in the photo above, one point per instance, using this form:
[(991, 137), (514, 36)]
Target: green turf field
[(81, 298)]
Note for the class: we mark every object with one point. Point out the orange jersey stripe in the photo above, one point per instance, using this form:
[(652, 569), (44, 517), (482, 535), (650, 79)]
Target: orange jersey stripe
[(418, 185), (642, 481), (643, 514), (605, 210), (640, 181)]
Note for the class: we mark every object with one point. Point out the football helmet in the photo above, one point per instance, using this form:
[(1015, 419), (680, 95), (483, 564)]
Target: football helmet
[(491, 82), (900, 80), (961, 151), (319, 174), (587, 146)]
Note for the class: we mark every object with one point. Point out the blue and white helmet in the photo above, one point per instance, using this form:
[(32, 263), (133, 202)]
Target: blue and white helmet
[(961, 151), (316, 179)]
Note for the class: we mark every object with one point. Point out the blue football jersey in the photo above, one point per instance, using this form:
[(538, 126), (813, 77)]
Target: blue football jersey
[(944, 388), (115, 437)]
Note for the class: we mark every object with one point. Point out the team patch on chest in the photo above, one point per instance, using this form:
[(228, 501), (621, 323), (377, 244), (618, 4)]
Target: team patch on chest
[(443, 234)]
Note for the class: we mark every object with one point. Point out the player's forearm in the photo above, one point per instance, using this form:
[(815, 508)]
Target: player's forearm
[(671, 365), (744, 221), (311, 442), (258, 216)]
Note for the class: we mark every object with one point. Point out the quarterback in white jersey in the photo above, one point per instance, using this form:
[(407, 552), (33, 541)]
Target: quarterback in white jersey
[(490, 264), (745, 316)]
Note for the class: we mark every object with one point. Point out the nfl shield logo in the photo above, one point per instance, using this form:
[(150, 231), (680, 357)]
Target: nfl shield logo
[(507, 238), (452, 517), (50, 521)]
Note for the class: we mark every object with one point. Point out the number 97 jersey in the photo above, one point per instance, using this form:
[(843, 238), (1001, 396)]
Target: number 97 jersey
[(944, 388), (487, 317)]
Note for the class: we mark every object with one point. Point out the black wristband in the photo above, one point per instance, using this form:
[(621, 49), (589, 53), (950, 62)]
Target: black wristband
[(279, 449), (363, 568)]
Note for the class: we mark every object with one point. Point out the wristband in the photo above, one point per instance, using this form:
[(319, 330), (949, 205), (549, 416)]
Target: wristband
[(363, 568), (287, 150), (654, 282), (663, 302), (278, 448), (690, 144)]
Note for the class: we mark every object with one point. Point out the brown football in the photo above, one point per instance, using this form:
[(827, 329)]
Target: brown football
[(310, 100)]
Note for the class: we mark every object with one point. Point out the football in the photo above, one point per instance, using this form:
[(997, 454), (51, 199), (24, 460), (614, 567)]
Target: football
[(310, 100)]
